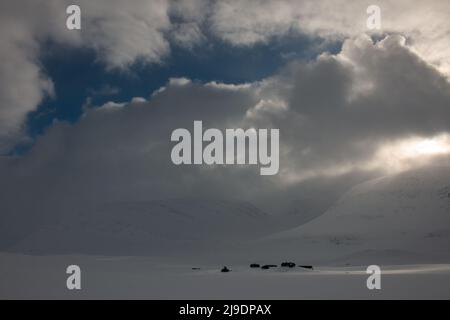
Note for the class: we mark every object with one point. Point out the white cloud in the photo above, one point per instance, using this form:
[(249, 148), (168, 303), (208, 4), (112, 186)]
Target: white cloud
[(425, 23), (187, 35), (22, 83), (122, 32)]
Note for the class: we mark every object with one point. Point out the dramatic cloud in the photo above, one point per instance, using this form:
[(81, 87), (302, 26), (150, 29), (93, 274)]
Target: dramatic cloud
[(342, 119), (123, 33), (341, 109)]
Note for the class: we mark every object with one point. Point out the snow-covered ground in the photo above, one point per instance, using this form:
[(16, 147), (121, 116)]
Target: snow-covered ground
[(147, 278)]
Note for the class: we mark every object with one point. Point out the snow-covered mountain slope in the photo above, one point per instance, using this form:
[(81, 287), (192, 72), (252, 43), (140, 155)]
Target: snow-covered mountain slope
[(403, 218), (407, 214), (150, 227)]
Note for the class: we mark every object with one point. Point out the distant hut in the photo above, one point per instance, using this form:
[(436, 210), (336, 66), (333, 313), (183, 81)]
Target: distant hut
[(268, 266), (288, 264), (306, 267)]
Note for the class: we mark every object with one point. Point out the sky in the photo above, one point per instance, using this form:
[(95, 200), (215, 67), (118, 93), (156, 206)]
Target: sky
[(86, 115)]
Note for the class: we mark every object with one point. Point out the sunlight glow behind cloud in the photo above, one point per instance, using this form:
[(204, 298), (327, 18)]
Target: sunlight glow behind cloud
[(406, 154)]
